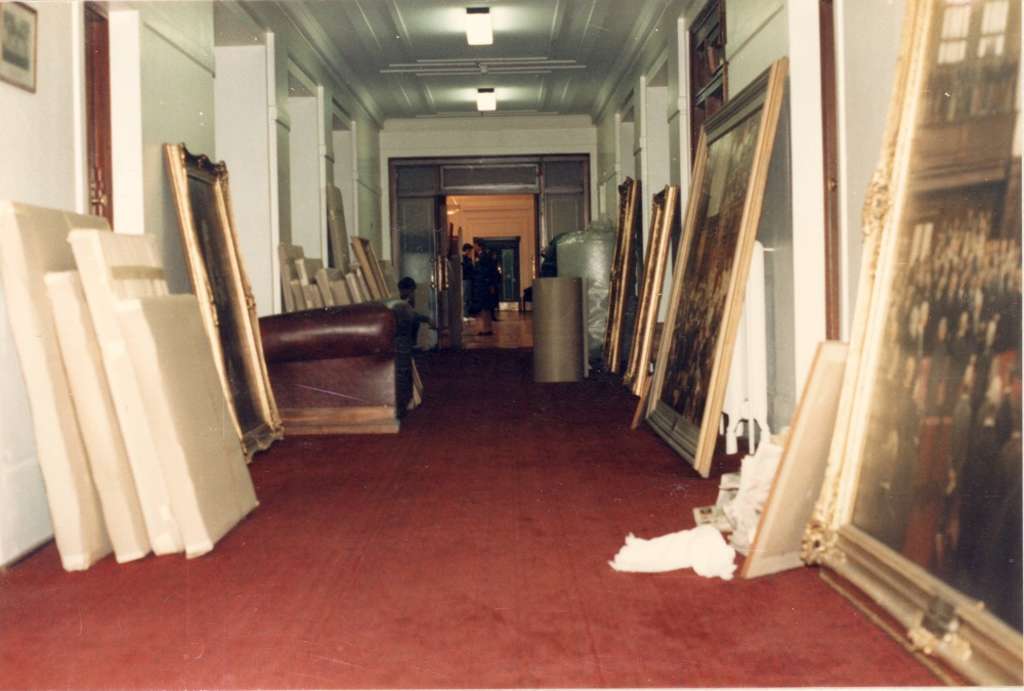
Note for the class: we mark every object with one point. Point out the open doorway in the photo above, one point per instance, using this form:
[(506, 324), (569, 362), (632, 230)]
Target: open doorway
[(506, 224)]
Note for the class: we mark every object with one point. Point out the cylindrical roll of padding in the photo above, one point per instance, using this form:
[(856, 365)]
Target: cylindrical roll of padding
[(557, 330)]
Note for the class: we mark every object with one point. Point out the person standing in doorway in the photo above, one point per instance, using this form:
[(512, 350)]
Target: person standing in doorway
[(484, 290), (467, 278)]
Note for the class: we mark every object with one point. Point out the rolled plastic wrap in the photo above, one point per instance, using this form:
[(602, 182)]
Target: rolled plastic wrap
[(557, 330), (588, 255)]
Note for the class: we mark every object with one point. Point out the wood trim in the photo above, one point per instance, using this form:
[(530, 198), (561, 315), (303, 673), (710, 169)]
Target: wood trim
[(830, 149), (711, 19), (97, 112), (343, 420)]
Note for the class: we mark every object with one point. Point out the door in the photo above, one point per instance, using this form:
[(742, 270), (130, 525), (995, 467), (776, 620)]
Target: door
[(418, 236), (507, 250)]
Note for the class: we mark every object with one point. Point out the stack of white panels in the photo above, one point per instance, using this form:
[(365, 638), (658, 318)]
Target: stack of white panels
[(33, 241), (135, 439)]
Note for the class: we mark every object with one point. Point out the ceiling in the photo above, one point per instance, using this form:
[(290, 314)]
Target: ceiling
[(548, 56)]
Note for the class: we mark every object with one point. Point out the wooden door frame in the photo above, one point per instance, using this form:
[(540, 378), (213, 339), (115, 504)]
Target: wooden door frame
[(395, 162), (99, 154), (830, 160), (518, 245)]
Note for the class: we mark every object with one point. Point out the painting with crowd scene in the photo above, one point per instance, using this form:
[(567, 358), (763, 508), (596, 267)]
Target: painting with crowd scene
[(711, 269), (922, 505)]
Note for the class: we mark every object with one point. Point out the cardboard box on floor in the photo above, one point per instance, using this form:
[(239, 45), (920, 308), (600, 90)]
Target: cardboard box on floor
[(104, 443), (200, 452), (33, 241)]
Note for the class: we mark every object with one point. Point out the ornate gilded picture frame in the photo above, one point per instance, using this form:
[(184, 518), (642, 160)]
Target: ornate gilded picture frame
[(921, 504), (711, 267), (625, 270), (203, 201), (664, 212)]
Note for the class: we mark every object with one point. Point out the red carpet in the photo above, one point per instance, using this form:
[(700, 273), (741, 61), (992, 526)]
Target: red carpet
[(468, 551)]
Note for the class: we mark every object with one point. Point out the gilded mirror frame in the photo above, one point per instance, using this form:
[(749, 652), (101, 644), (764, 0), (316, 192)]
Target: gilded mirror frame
[(231, 323)]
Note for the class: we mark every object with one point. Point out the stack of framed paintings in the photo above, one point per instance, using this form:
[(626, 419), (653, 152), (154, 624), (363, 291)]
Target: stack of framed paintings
[(625, 274), (711, 268), (921, 504), (664, 212)]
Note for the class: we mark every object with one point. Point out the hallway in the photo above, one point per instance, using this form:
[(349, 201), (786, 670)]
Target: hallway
[(468, 550), (512, 330)]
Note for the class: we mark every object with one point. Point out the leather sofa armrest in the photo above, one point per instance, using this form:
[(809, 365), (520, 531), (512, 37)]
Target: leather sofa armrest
[(332, 332)]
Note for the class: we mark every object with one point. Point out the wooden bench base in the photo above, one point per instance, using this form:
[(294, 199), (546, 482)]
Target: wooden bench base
[(344, 420)]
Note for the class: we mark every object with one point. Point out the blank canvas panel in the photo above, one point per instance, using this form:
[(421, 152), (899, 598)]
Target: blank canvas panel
[(797, 483), (33, 241), (108, 458), (201, 459), (113, 267)]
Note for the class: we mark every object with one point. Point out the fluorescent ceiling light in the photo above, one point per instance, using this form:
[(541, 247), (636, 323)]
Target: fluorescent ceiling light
[(486, 99), (478, 26)]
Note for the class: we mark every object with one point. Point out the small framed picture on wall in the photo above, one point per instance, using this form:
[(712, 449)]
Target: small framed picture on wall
[(18, 37)]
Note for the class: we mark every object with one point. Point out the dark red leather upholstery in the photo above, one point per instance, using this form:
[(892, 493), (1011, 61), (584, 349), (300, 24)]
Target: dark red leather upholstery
[(324, 364), (331, 332)]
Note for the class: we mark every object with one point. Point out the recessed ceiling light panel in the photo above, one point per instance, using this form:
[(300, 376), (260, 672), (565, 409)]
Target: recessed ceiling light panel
[(486, 100), (478, 26)]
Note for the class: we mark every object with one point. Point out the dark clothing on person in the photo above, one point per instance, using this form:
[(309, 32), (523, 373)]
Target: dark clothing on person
[(484, 285)]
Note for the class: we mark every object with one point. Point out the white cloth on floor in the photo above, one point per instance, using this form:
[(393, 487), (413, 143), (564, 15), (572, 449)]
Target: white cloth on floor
[(702, 548), (757, 474)]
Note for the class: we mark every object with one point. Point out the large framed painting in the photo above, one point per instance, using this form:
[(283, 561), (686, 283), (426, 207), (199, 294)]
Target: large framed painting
[(921, 505), (711, 269), (664, 212), (625, 274), (203, 201)]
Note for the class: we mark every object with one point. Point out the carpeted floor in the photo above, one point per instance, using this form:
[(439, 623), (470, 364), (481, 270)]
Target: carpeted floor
[(470, 550)]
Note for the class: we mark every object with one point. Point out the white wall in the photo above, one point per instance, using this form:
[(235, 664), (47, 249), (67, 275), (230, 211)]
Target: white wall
[(867, 34), (654, 147), (41, 165), (757, 36), (345, 175), (243, 131), (371, 204), (607, 170), (162, 91), (305, 182), (484, 136)]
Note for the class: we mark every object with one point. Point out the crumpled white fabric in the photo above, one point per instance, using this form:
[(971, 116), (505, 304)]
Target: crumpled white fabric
[(757, 474), (702, 548)]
